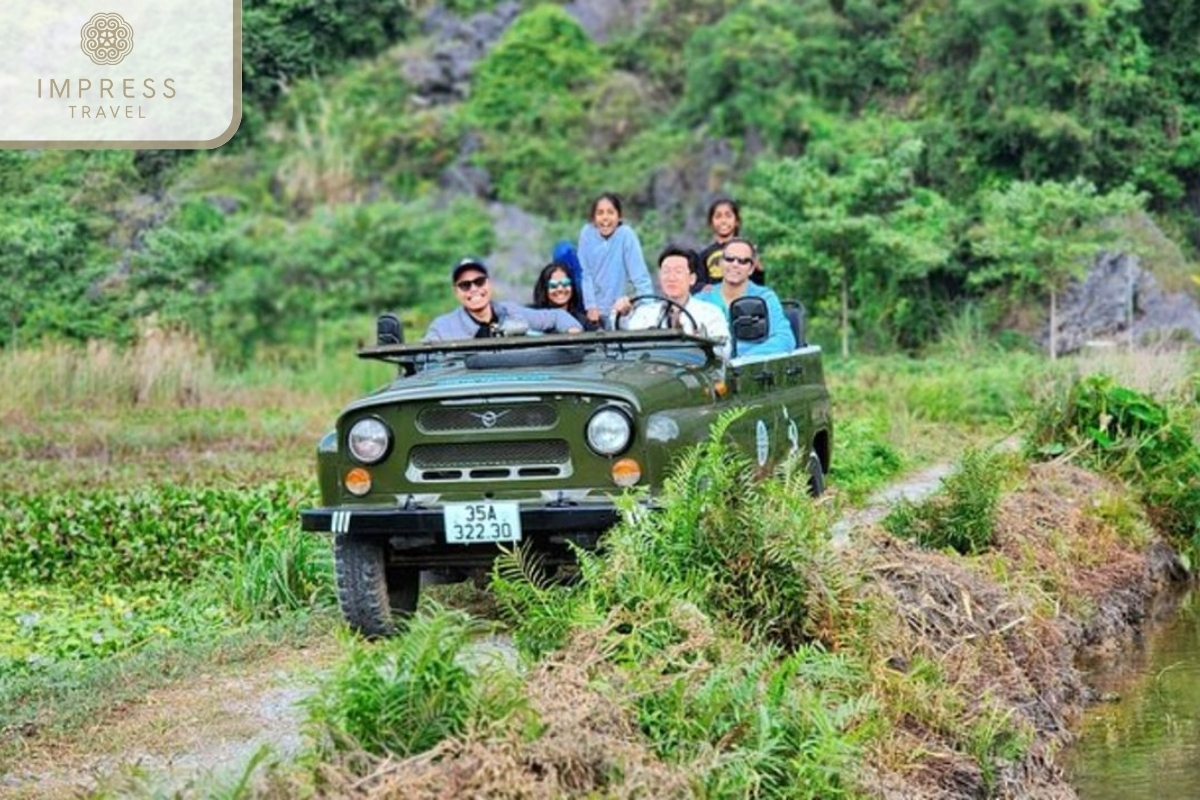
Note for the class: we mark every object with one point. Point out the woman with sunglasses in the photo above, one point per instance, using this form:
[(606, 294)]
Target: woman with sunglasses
[(555, 288)]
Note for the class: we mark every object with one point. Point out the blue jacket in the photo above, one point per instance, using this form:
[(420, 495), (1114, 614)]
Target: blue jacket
[(608, 264), (458, 324), (780, 339)]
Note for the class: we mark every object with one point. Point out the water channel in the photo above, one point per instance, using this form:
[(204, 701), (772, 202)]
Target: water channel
[(1144, 744)]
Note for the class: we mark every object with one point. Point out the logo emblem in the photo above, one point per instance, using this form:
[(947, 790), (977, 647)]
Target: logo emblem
[(106, 38), (489, 418)]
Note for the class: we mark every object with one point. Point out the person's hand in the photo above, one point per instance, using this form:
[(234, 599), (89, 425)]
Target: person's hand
[(593, 314), (622, 305), (575, 330)]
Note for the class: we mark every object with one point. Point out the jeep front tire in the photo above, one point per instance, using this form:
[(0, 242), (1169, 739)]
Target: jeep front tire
[(369, 591)]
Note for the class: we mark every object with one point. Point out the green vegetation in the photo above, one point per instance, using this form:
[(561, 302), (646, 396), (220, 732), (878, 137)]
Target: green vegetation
[(900, 166), (725, 638), (963, 516), (1150, 443), (176, 331), (409, 693)]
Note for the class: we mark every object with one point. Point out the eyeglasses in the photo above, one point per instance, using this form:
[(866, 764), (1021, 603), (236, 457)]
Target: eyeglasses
[(745, 262), (465, 286), (561, 283)]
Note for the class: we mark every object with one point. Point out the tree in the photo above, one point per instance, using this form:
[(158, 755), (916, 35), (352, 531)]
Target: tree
[(859, 236), (1041, 236), (529, 101)]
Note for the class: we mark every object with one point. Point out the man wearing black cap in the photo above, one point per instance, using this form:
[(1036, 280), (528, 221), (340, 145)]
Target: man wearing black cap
[(479, 317)]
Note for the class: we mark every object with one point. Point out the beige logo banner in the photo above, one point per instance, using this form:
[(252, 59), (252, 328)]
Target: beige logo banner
[(127, 74)]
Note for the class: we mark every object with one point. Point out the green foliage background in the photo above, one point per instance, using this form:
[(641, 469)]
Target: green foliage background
[(874, 146)]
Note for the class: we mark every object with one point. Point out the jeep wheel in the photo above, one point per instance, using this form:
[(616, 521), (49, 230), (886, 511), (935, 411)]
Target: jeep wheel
[(816, 475), (368, 591)]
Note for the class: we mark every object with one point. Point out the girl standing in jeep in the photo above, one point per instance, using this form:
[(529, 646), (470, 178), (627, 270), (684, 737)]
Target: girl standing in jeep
[(611, 256)]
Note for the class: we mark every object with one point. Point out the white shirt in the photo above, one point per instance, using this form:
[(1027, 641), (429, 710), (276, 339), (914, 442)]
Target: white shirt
[(709, 317)]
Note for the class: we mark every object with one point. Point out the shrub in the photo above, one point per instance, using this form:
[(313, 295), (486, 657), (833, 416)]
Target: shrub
[(962, 517), (1131, 435), (404, 695), (785, 725), (529, 100)]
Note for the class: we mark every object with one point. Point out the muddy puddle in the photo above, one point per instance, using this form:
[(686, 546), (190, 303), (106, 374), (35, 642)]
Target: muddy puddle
[(1143, 742)]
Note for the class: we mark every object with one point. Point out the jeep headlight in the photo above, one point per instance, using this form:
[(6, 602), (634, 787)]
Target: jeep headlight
[(369, 440), (609, 431)]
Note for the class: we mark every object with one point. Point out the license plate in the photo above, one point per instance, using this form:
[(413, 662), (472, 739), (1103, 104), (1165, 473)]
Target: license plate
[(468, 523)]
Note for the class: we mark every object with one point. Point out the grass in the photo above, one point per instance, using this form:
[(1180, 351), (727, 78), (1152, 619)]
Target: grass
[(63, 700), (963, 516), (723, 638), (895, 414)]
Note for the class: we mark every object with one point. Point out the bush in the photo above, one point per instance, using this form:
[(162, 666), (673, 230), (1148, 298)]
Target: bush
[(529, 99), (284, 40), (247, 283), (963, 516), (404, 695), (1129, 434)]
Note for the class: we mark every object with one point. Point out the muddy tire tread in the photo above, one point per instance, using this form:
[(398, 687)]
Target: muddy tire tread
[(360, 568)]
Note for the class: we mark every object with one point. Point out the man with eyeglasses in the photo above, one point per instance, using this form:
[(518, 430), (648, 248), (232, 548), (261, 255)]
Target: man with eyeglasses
[(738, 259), (677, 271), (478, 317)]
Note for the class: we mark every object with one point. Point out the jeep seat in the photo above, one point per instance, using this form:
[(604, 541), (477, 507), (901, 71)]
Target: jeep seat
[(796, 317)]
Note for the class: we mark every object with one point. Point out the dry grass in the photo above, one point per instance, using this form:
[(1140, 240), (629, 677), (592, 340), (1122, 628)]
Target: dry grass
[(1160, 372), (989, 644), (588, 746), (161, 369), (96, 414)]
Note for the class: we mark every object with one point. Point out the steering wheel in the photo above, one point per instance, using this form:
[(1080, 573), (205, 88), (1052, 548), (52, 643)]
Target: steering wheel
[(664, 317)]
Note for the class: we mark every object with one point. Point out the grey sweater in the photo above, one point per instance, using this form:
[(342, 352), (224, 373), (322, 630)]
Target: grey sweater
[(458, 324)]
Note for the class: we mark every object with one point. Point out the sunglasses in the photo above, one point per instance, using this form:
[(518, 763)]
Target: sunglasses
[(464, 286), (561, 283), (735, 260)]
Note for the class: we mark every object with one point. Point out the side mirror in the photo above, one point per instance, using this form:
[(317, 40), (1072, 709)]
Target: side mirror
[(749, 320), (388, 330)]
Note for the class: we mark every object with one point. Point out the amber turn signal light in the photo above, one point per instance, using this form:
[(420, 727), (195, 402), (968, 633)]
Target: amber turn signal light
[(358, 481), (626, 472)]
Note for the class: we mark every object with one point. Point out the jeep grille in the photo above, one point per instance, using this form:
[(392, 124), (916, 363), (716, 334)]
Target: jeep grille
[(516, 417), (489, 461)]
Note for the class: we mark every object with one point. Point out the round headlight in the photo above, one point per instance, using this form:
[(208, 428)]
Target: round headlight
[(369, 440), (609, 431)]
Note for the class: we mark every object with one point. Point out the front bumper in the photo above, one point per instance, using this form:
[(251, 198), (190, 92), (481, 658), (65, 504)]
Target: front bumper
[(418, 534)]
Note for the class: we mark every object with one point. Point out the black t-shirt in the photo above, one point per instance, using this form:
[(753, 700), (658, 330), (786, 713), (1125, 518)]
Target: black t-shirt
[(488, 329), (708, 267)]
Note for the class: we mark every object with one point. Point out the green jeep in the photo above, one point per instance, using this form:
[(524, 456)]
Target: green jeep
[(526, 439)]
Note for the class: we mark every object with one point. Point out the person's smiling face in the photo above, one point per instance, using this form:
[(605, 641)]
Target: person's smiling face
[(474, 290), (559, 289), (724, 222), (606, 217), (738, 263)]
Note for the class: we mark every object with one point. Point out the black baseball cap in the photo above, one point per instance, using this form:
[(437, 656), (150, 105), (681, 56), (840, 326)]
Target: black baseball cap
[(464, 265)]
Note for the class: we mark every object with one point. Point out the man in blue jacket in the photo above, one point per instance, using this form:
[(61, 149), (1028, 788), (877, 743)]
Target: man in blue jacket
[(478, 317), (737, 261)]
